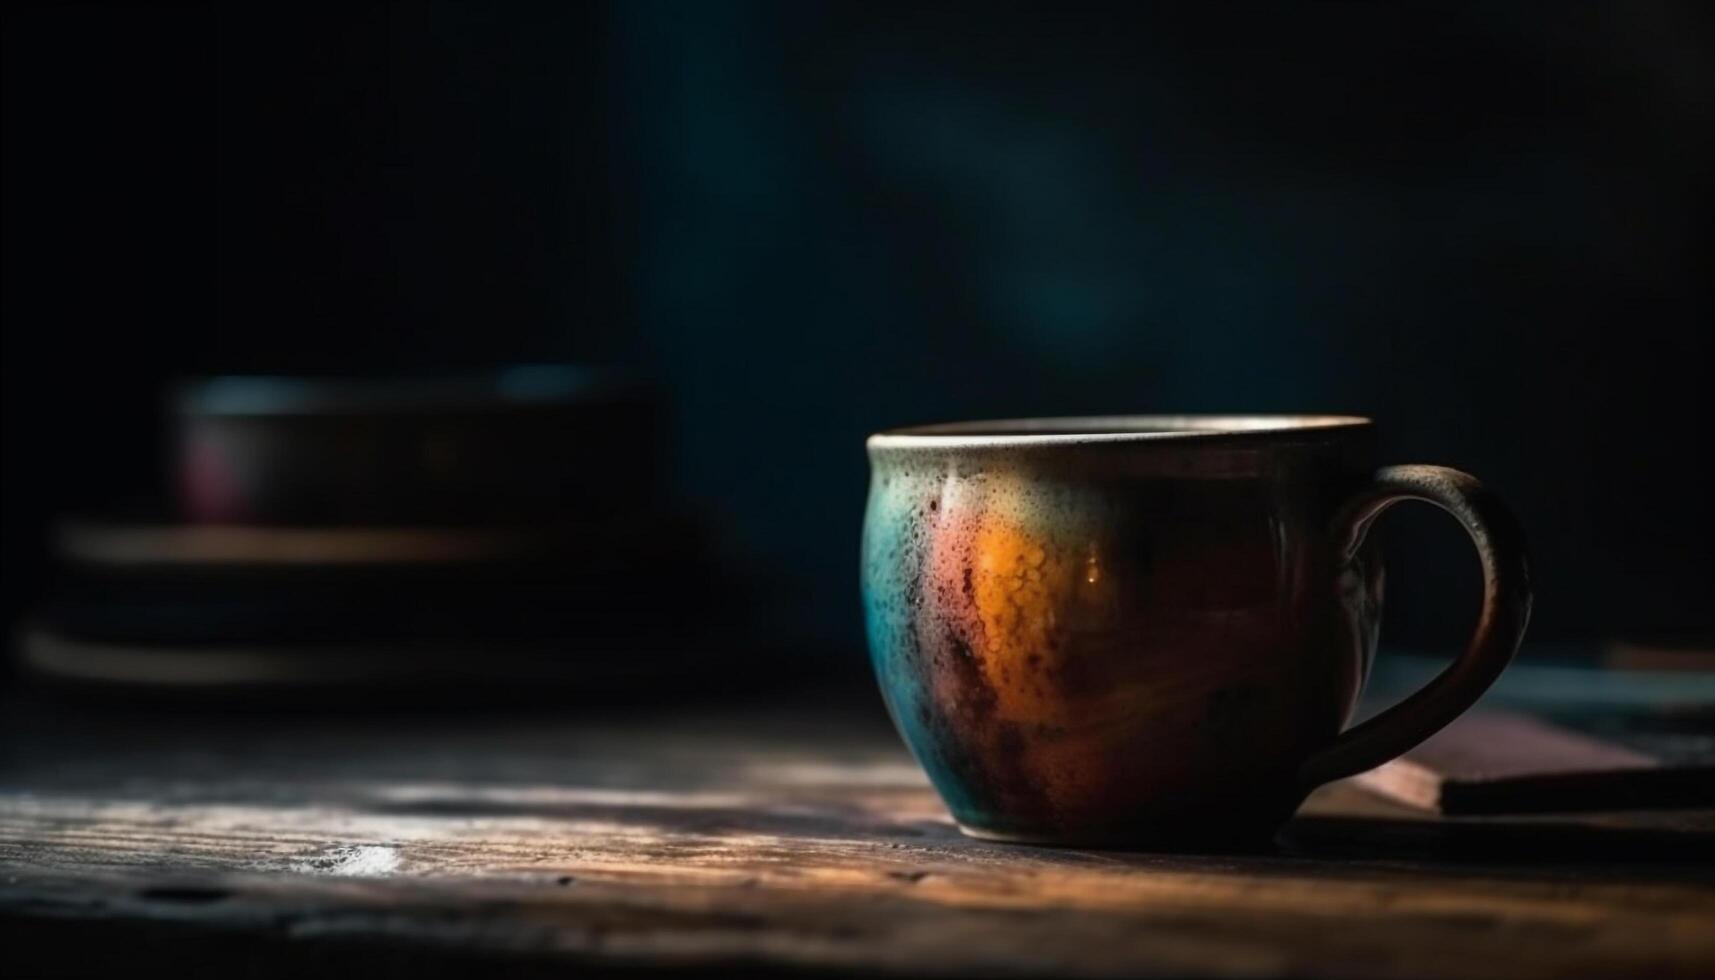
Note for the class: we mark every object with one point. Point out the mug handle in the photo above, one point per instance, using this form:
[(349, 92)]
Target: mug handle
[(1500, 627)]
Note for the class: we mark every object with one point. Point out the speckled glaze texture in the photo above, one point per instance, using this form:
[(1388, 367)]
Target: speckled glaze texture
[(1119, 640)]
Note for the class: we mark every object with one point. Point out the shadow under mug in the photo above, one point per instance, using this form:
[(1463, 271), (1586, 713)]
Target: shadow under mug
[(1151, 631)]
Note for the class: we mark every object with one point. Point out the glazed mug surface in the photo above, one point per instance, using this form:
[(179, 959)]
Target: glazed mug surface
[(1151, 631)]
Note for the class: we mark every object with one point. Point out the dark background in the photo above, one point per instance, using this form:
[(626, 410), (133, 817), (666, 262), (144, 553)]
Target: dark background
[(1484, 224)]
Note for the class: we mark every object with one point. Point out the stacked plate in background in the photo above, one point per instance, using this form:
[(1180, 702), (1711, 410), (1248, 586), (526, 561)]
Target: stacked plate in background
[(503, 534)]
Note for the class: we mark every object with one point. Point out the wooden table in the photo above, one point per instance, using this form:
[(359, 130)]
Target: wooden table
[(780, 840)]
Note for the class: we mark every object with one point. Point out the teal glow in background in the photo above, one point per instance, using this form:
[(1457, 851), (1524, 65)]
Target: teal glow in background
[(1483, 223)]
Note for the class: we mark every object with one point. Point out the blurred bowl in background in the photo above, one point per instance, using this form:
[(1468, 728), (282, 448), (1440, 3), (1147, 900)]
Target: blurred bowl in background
[(504, 532), (522, 445)]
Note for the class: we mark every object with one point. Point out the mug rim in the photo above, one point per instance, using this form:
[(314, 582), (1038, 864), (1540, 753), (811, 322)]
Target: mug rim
[(1079, 430)]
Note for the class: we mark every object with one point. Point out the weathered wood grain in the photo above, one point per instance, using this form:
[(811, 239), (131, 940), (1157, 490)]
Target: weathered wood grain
[(802, 840)]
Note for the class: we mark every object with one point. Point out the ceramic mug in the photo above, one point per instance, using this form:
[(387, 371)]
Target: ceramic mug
[(1151, 631)]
